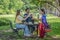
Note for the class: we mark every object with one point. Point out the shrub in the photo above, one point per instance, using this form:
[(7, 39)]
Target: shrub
[(4, 21)]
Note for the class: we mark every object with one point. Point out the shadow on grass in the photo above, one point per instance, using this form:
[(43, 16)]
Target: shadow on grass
[(13, 36)]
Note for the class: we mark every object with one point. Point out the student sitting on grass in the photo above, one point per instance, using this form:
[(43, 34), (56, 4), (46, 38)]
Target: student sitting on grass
[(29, 19), (19, 24)]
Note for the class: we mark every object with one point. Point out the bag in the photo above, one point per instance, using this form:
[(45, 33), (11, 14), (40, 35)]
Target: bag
[(48, 29)]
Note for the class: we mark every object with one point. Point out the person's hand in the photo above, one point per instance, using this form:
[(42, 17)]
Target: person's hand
[(25, 23), (27, 16)]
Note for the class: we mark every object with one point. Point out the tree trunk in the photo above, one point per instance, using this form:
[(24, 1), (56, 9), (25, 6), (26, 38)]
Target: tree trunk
[(58, 6)]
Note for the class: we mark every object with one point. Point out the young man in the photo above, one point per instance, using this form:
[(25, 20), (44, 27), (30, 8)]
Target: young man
[(29, 19)]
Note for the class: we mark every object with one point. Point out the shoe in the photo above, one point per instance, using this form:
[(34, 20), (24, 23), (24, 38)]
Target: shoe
[(27, 35)]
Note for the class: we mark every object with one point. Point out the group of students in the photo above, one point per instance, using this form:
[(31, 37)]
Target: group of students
[(28, 17)]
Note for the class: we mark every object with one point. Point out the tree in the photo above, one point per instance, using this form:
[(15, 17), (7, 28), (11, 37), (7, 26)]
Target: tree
[(9, 6)]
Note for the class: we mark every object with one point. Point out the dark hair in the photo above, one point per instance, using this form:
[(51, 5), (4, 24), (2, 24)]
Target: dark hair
[(43, 10), (27, 9), (18, 12)]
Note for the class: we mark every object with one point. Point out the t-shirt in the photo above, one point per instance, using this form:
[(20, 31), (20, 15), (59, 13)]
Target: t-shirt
[(19, 19), (29, 18), (44, 21)]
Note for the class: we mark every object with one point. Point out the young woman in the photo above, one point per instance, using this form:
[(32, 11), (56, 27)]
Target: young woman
[(43, 24), (19, 24), (43, 19)]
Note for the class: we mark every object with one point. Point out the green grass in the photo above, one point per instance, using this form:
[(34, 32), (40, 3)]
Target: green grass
[(54, 23)]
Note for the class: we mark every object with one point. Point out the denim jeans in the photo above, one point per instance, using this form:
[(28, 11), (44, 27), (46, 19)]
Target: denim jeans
[(26, 30), (31, 28)]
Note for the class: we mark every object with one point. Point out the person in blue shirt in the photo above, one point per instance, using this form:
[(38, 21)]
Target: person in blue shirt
[(29, 19), (43, 18), (44, 22), (26, 14)]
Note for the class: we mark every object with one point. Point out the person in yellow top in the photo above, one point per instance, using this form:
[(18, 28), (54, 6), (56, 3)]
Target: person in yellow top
[(19, 24)]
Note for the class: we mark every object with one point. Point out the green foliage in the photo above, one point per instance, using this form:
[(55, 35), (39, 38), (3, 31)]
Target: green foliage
[(7, 6), (38, 2), (10, 6), (4, 21)]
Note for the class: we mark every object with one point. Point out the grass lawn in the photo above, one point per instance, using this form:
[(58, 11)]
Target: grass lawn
[(7, 34)]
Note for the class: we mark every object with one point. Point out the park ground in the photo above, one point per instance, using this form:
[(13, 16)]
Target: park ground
[(6, 32)]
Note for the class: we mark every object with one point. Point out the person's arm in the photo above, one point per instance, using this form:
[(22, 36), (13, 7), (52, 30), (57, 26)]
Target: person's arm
[(20, 18), (25, 17), (32, 16), (39, 18)]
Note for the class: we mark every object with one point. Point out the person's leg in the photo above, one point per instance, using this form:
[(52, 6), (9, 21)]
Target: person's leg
[(26, 30), (32, 29), (29, 28)]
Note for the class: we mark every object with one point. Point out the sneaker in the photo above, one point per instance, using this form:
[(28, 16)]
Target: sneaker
[(27, 35)]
